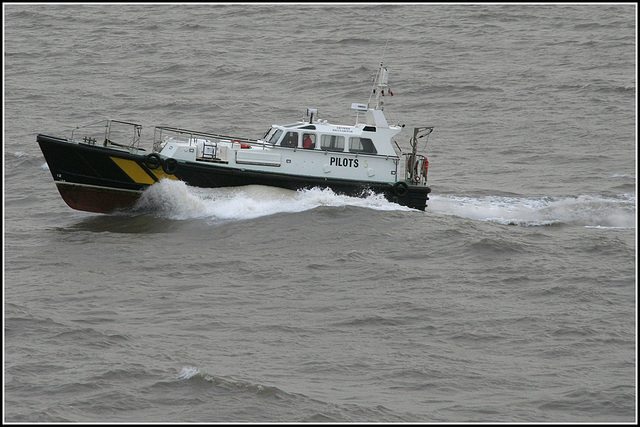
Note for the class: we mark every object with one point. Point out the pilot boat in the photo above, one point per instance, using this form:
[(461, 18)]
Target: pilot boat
[(106, 171)]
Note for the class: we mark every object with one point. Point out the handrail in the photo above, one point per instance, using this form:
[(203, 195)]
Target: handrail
[(192, 134), (107, 124), (135, 140), (205, 134), (87, 125)]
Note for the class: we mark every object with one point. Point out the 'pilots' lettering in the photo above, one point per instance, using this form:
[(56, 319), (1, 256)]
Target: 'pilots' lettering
[(347, 163)]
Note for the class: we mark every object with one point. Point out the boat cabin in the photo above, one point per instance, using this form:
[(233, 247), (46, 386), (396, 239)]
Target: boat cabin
[(372, 137)]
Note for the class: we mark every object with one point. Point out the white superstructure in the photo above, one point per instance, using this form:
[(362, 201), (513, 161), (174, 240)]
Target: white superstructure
[(313, 148)]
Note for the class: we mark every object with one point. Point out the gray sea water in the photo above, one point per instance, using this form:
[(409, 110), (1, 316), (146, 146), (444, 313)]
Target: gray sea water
[(512, 298)]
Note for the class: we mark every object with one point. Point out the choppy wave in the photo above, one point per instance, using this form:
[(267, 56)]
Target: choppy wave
[(22, 158), (176, 200), (308, 409), (192, 373), (583, 210)]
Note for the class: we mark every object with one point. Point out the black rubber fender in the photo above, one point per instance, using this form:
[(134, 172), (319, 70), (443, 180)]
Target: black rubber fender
[(170, 166), (152, 161), (400, 188)]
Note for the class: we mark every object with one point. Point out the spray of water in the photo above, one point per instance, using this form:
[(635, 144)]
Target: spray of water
[(176, 200)]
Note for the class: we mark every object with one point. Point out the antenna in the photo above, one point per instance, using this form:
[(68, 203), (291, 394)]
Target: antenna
[(384, 50), (375, 80)]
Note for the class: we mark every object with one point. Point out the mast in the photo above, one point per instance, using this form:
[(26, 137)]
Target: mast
[(380, 84)]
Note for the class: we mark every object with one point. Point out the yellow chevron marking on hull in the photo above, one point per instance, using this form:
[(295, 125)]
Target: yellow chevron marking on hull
[(134, 171)]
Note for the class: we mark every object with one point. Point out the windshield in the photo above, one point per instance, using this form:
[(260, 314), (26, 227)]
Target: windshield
[(273, 136)]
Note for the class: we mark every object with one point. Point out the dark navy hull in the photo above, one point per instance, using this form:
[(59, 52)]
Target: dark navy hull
[(104, 180)]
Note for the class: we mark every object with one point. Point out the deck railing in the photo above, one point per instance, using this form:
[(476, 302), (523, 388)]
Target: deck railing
[(161, 133), (116, 132)]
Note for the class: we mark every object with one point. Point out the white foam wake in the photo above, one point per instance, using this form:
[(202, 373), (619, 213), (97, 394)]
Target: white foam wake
[(584, 210), (176, 200)]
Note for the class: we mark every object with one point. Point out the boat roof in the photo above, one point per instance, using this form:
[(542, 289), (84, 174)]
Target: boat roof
[(324, 126)]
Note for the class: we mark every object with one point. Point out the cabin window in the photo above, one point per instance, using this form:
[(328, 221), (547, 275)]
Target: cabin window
[(361, 145), (332, 142), (275, 136), (308, 140), (290, 140)]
